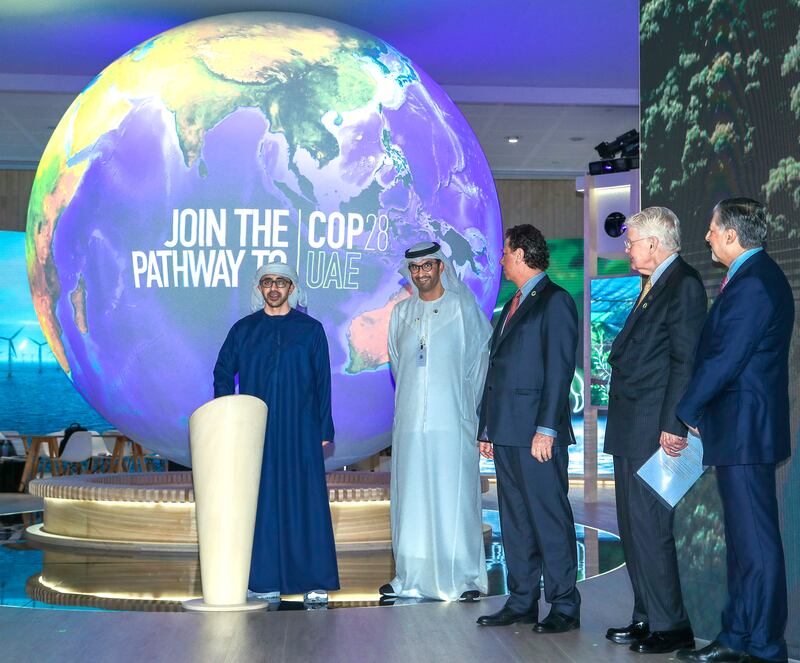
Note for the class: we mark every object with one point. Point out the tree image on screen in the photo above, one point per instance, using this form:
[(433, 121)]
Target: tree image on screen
[(720, 98)]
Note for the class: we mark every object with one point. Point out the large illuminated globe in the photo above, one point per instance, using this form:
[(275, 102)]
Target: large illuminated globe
[(262, 136)]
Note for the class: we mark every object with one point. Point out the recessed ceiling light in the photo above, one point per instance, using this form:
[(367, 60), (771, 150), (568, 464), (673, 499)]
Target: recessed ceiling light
[(577, 139), (512, 139)]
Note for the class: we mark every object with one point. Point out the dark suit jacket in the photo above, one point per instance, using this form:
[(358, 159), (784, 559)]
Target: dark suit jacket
[(531, 365), (738, 396), (651, 362)]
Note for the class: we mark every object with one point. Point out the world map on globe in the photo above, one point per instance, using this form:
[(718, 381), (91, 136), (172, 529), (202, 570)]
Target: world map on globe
[(225, 143)]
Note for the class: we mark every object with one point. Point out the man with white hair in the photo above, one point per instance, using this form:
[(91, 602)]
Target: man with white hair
[(281, 356), (438, 347), (651, 360)]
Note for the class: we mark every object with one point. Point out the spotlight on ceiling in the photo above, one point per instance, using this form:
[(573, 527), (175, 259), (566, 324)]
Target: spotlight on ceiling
[(512, 139), (615, 224)]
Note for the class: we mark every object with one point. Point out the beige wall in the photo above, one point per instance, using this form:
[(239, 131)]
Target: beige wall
[(553, 206)]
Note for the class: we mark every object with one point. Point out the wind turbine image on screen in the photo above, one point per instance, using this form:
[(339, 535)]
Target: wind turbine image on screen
[(12, 352), (41, 344)]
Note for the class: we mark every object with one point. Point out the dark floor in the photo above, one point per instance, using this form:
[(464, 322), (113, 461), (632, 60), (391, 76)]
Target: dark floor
[(423, 632), (419, 633)]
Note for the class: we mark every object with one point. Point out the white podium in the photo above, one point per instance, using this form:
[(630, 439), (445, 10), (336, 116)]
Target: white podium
[(227, 445)]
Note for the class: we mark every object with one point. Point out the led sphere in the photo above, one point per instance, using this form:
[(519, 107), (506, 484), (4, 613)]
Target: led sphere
[(230, 141)]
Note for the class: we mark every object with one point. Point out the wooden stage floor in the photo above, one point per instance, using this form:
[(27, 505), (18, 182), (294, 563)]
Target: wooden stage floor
[(417, 633)]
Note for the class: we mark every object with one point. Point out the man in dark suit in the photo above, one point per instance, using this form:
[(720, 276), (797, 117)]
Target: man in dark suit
[(738, 398), (525, 413), (651, 360)]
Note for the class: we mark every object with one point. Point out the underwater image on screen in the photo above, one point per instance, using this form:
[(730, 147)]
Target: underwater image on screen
[(612, 300)]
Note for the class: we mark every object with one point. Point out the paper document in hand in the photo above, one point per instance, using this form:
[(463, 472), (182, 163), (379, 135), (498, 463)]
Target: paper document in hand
[(670, 478)]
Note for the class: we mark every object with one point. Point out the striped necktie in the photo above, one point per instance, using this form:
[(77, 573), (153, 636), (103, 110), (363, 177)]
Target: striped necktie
[(724, 283)]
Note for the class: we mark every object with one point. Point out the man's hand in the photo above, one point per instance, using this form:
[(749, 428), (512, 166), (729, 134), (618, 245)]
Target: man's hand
[(542, 447), (486, 449), (672, 444), (325, 443)]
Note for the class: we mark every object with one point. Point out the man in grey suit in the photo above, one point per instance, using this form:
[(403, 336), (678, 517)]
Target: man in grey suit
[(525, 425), (651, 361)]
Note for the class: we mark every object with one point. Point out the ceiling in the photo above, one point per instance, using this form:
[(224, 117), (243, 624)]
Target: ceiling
[(560, 76)]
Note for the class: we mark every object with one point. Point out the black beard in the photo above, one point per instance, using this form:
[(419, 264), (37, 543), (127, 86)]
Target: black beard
[(426, 286)]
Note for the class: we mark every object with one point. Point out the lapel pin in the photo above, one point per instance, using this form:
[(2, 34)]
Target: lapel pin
[(644, 305), (533, 294)]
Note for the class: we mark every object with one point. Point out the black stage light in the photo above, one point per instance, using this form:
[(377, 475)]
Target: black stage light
[(627, 143), (618, 165), (605, 150), (631, 149), (615, 224)]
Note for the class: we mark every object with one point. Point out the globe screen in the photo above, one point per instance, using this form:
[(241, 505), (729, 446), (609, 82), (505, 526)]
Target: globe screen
[(218, 146)]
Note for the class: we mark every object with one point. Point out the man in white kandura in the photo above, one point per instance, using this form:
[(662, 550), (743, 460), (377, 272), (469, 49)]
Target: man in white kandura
[(438, 347)]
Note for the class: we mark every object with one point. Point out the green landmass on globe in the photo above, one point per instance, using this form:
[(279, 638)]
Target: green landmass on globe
[(236, 64)]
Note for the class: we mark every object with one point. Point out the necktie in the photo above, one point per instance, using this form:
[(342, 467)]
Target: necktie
[(724, 283), (645, 289), (512, 309)]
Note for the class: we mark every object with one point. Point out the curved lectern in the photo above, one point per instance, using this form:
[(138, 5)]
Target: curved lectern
[(227, 444)]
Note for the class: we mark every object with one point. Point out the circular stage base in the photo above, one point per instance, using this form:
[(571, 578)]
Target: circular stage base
[(37, 534), (154, 511), (40, 575), (199, 605), (106, 581)]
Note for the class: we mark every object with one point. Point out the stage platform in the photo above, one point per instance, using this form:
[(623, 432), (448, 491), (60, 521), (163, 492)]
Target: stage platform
[(418, 632)]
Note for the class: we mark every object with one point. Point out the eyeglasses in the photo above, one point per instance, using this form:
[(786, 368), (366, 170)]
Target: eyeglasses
[(279, 283), (425, 266), (629, 243)]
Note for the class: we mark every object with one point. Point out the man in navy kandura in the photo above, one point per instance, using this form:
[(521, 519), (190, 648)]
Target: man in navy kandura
[(738, 399), (281, 355)]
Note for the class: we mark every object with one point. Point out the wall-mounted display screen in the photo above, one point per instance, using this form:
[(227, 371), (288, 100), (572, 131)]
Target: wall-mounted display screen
[(612, 300)]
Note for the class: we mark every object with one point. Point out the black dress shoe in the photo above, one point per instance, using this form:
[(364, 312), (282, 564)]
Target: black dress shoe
[(470, 596), (716, 652), (661, 642), (387, 590), (557, 622), (627, 635), (506, 617)]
